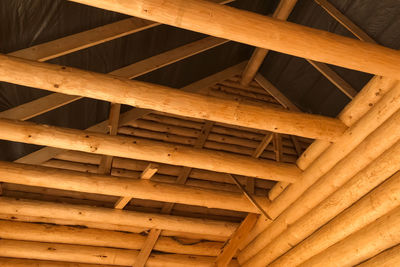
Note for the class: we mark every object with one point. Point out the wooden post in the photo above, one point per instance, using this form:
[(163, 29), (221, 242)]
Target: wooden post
[(150, 96), (238, 25)]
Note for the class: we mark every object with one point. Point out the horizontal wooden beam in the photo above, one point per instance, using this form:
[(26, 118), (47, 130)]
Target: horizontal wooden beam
[(100, 238), (85, 256), (285, 37), (150, 96), (134, 188), (143, 149), (55, 100), (14, 262), (62, 211)]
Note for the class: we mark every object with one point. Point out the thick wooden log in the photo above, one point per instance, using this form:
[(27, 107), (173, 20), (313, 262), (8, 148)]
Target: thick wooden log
[(388, 258), (367, 242), (95, 255), (367, 179), (134, 188), (112, 216), (13, 262), (341, 160), (238, 25), (100, 238), (108, 226), (150, 96), (193, 182), (145, 150)]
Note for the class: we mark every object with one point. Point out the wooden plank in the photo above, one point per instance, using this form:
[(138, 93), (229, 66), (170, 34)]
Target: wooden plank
[(150, 170), (230, 249), (148, 246), (216, 20), (345, 21), (263, 144)]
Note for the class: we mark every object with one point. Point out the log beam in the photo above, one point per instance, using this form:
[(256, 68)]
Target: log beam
[(140, 188), (90, 214), (150, 96), (142, 149), (285, 37), (52, 233), (87, 255)]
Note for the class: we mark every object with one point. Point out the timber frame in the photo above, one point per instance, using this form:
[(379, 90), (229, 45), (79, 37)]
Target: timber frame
[(224, 171)]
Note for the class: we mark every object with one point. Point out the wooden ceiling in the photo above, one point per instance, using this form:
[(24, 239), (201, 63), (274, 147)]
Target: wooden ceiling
[(226, 171)]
